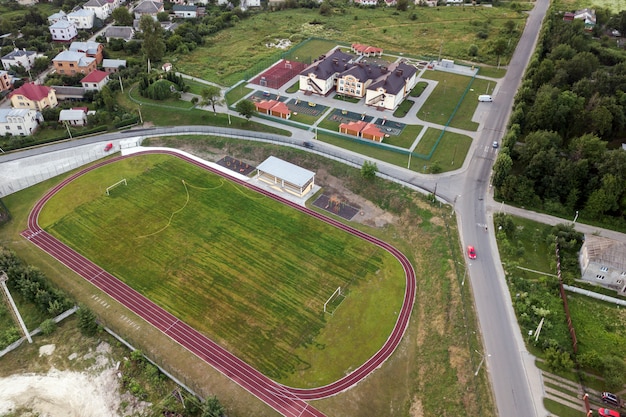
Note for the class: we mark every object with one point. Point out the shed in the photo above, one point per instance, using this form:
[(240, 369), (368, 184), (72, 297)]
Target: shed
[(73, 117), (286, 176)]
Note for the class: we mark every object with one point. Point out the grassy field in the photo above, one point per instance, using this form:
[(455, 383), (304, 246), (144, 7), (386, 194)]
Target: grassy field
[(450, 89), (231, 55), (249, 277), (449, 154)]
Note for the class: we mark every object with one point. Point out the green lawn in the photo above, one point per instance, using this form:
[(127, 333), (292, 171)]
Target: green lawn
[(237, 94), (449, 154), (406, 139), (249, 272), (449, 91), (232, 55), (404, 108)]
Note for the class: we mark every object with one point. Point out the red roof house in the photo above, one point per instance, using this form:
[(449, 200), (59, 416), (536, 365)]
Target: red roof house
[(362, 129), (366, 50), (273, 108), (95, 80), (33, 96)]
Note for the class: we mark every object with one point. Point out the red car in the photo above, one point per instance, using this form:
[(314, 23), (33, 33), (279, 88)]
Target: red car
[(108, 147), (471, 252), (605, 412)]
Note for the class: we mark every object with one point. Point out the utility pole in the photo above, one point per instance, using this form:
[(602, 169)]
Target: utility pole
[(481, 362)]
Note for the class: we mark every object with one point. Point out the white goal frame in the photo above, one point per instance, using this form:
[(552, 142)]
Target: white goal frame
[(116, 184), (336, 292)]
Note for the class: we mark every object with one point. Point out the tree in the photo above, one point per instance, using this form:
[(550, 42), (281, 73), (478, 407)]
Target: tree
[(212, 408), (501, 168), (211, 95), (614, 373), (153, 46), (402, 5), (369, 170), (558, 360), (473, 50), (48, 327), (87, 321), (499, 47), (510, 26), (122, 17), (163, 16), (246, 108), (326, 9)]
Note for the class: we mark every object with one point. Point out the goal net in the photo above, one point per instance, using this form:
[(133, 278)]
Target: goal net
[(123, 181), (334, 301)]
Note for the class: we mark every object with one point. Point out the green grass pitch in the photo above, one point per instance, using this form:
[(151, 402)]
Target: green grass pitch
[(247, 271)]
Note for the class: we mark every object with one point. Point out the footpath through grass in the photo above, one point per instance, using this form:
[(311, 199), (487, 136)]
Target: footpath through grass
[(244, 269)]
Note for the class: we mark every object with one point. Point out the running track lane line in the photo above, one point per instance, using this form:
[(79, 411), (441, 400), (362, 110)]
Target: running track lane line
[(286, 400)]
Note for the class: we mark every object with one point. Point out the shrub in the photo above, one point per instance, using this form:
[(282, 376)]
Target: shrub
[(48, 327)]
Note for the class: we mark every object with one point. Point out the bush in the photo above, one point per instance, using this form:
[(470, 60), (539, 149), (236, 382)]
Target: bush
[(87, 321), (48, 327)]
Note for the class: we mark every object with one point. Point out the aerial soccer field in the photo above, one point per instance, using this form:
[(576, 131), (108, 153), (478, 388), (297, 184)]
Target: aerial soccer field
[(244, 269)]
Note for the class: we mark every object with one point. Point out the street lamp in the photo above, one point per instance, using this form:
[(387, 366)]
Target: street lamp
[(465, 272), (481, 362), (576, 217)]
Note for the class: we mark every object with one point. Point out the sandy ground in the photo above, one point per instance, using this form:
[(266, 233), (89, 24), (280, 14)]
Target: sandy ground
[(92, 393)]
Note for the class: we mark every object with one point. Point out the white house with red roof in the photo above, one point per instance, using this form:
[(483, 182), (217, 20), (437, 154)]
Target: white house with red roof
[(95, 80), (33, 96)]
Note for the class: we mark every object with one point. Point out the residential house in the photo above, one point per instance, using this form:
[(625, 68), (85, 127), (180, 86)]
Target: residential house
[(82, 18), (72, 63), (74, 117), (363, 130), (19, 122), (569, 16), (5, 81), (366, 2), (388, 91), (273, 108), (95, 80), (55, 17), (125, 33), (33, 96), (366, 50), (20, 58), (111, 66), (391, 3), (320, 77), (90, 49), (63, 31), (148, 7), (185, 11), (246, 4), (167, 67), (603, 262), (101, 8), (355, 79), (588, 16)]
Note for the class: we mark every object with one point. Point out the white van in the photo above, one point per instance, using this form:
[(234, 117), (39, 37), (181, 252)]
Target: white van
[(485, 98)]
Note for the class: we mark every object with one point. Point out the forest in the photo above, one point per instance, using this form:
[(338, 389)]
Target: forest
[(562, 153)]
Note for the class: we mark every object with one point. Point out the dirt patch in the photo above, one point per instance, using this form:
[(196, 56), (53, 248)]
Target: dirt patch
[(416, 408)]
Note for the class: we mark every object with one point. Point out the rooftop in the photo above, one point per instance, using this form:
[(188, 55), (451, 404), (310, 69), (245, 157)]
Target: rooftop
[(95, 77), (32, 91), (287, 171)]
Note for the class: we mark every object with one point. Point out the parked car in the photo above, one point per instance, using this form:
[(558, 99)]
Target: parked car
[(609, 398), (495, 144), (605, 412), (471, 252)]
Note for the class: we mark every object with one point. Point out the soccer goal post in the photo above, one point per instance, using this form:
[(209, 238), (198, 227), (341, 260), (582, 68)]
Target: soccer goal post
[(335, 294), (123, 181)]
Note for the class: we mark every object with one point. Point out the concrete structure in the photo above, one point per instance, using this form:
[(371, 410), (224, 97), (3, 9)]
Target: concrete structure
[(63, 31), (185, 11), (148, 7), (90, 49), (603, 262), (20, 58), (32, 96), (273, 108), (95, 80), (19, 122), (284, 176), (82, 18), (125, 33), (72, 63), (113, 65), (73, 117)]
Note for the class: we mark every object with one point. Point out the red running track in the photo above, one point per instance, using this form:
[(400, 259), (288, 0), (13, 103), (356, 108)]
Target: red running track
[(288, 401)]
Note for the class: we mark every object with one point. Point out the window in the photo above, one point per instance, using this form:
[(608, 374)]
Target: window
[(599, 276), (8, 128), (71, 65), (19, 128), (604, 269), (619, 281), (624, 273)]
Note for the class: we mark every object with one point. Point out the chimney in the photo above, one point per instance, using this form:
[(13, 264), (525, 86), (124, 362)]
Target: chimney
[(399, 72), (335, 61)]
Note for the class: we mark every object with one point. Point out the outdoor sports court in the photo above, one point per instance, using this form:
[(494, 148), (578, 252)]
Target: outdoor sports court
[(279, 74)]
